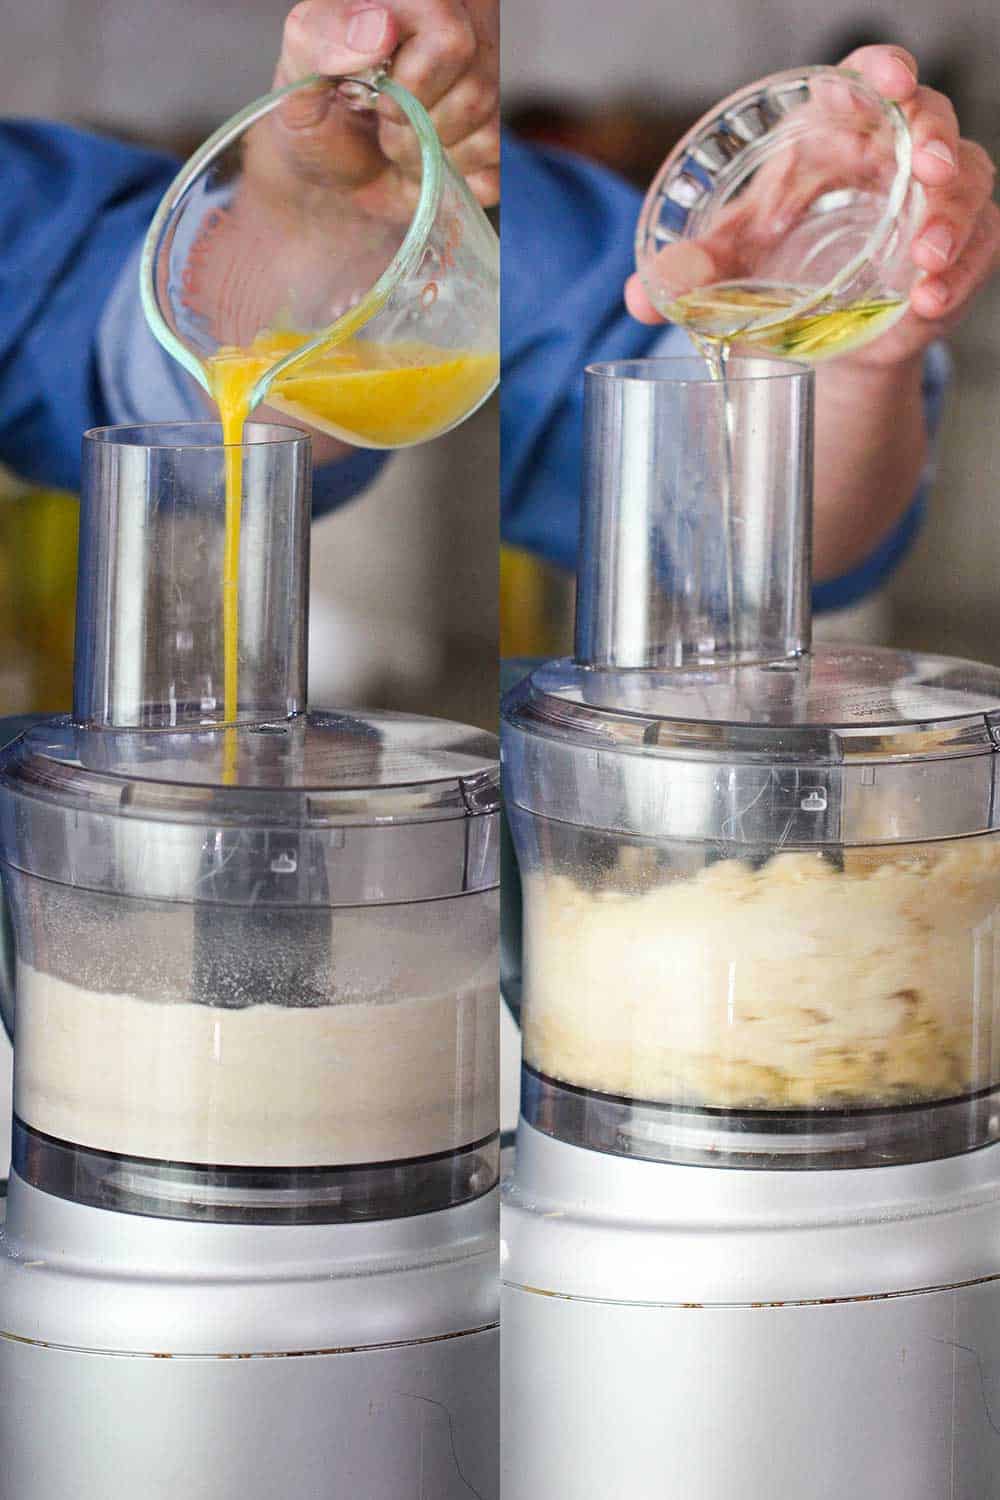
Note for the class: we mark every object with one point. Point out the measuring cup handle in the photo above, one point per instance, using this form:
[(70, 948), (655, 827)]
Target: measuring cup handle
[(512, 671)]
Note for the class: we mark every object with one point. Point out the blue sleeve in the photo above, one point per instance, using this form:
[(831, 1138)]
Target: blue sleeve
[(75, 349), (72, 208), (566, 233), (567, 249)]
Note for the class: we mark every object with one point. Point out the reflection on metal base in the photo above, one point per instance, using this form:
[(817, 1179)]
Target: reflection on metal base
[(671, 1331), (894, 1398), (156, 1358), (782, 1140), (383, 1424)]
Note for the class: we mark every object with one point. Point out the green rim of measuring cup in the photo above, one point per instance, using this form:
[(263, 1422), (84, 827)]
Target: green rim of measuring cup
[(405, 260)]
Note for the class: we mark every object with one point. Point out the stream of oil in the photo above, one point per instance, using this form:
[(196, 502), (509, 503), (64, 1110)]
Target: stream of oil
[(728, 315)]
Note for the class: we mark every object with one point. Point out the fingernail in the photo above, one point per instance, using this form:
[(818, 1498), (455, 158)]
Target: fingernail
[(941, 152), (905, 62), (366, 29), (935, 293), (939, 241)]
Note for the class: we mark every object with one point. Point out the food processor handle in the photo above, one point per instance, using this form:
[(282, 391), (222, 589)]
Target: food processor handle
[(511, 673), (510, 923), (10, 729)]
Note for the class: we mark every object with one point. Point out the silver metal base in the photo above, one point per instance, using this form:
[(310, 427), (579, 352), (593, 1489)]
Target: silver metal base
[(6, 1092), (672, 1330), (156, 1358), (401, 1423)]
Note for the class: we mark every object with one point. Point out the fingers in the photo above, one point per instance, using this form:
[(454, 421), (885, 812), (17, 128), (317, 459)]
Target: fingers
[(958, 246), (638, 303), (463, 99), (479, 152), (680, 268), (952, 213), (944, 296), (444, 52), (485, 186), (891, 71), (935, 135), (323, 142), (467, 122), (335, 37), (473, 103), (438, 45)]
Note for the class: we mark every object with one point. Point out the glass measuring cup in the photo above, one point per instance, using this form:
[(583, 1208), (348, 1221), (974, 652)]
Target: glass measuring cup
[(783, 220), (329, 286)]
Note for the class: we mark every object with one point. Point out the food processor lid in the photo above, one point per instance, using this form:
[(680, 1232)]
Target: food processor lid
[(833, 706), (843, 747), (311, 771)]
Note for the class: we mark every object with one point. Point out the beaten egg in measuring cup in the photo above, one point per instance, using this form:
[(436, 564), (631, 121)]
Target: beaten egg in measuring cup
[(379, 395)]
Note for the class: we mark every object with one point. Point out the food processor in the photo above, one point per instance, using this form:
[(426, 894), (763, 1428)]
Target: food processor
[(751, 1243), (250, 1238)]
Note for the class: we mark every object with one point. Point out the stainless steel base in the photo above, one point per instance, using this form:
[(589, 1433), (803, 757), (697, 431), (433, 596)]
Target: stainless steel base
[(151, 1358), (404, 1423), (675, 1331)]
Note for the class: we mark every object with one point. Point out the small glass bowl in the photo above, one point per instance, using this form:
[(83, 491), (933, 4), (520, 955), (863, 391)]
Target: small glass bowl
[(784, 218)]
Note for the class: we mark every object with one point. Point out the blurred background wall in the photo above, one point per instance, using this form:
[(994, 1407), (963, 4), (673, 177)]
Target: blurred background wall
[(622, 83), (404, 599)]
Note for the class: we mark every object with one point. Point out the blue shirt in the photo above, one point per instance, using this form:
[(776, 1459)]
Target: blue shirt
[(75, 350)]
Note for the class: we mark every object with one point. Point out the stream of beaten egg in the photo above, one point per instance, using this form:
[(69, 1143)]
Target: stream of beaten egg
[(376, 395)]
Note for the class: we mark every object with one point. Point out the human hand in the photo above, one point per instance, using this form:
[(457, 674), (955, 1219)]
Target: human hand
[(957, 246), (445, 52)]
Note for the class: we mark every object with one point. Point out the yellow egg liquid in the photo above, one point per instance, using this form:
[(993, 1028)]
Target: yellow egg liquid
[(375, 395)]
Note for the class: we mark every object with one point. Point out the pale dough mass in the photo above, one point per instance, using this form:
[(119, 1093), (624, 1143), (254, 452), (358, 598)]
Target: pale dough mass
[(795, 985)]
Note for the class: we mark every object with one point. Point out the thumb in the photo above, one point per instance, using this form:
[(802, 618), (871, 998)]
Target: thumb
[(678, 269), (335, 36)]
